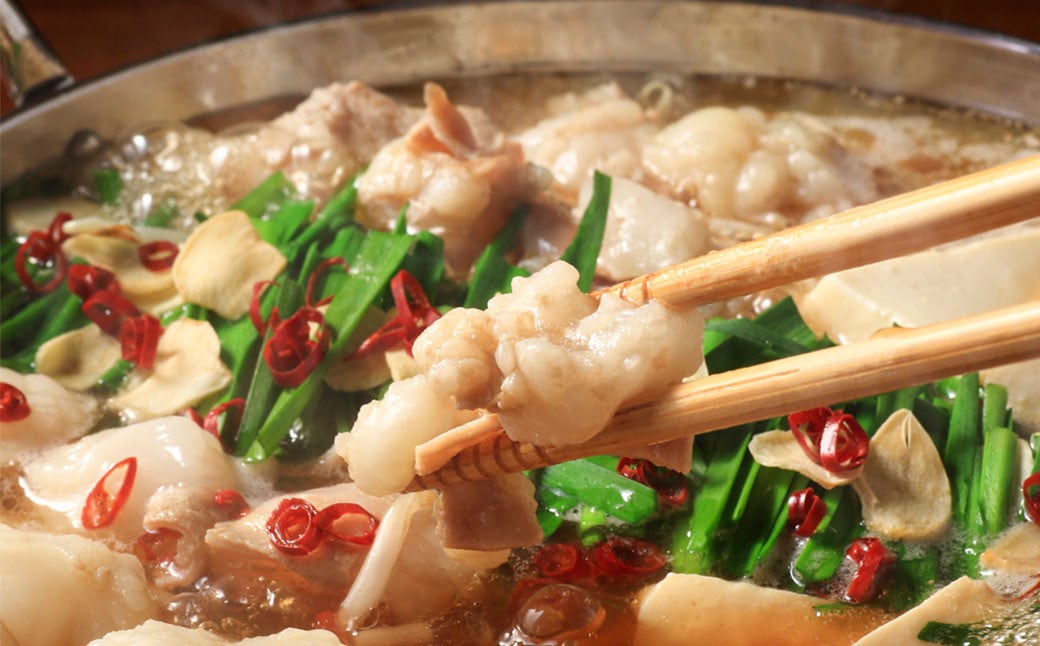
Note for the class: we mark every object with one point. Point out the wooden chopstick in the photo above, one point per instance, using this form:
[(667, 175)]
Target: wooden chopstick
[(889, 228), (895, 359), (896, 226)]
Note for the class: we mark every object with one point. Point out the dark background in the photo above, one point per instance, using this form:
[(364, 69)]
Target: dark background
[(92, 37)]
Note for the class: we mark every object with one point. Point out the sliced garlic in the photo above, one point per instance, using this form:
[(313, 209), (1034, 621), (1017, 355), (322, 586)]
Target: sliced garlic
[(370, 371), (114, 250), (402, 365), (77, 359), (780, 449), (221, 261), (904, 490), (36, 214), (965, 601), (1017, 552), (187, 369)]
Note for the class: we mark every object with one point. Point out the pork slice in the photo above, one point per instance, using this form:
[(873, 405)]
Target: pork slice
[(492, 515), (321, 143)]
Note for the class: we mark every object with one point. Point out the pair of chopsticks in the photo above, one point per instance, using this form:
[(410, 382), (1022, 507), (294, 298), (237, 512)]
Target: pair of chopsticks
[(886, 229)]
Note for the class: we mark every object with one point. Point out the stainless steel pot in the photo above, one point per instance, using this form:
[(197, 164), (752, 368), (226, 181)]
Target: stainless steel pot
[(946, 65)]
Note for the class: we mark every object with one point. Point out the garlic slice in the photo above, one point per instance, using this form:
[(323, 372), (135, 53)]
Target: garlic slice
[(187, 369), (77, 359), (904, 490), (221, 261), (152, 291), (1017, 552), (780, 449)]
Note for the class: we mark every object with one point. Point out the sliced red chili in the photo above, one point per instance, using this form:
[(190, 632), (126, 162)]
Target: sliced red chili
[(254, 308), (158, 255), (46, 255), (157, 546), (561, 561), (626, 556), (671, 486), (844, 444), (231, 503), (1031, 496), (414, 314), (223, 420), (291, 354), (318, 273), (13, 404), (109, 495), (873, 563), (291, 527), (194, 416), (805, 510), (108, 309), (56, 229), (84, 280), (807, 428), (138, 338), (832, 439), (348, 522)]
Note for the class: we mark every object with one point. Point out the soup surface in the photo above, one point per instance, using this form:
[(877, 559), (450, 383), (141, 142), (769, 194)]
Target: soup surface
[(220, 367)]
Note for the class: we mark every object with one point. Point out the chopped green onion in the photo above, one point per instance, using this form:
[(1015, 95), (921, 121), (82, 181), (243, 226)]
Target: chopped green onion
[(378, 259), (263, 391), (597, 486), (267, 197), (109, 185), (693, 545), (583, 251), (825, 550), (162, 215), (492, 273)]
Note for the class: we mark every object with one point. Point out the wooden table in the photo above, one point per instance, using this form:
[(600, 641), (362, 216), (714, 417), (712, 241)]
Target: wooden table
[(96, 36)]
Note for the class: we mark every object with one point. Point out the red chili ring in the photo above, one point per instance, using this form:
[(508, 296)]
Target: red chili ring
[(101, 508), (254, 308), (807, 427), (139, 338), (158, 255), (402, 330), (56, 229), (1031, 496), (41, 249), (363, 525), (108, 309), (559, 561), (844, 444), (874, 562), (312, 280), (212, 424), (14, 406), (290, 354), (84, 280), (805, 510), (626, 556), (231, 503), (291, 527), (671, 486)]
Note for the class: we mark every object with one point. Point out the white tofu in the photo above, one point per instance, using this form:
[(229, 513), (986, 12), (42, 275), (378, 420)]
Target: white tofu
[(995, 271), (690, 609), (927, 287)]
